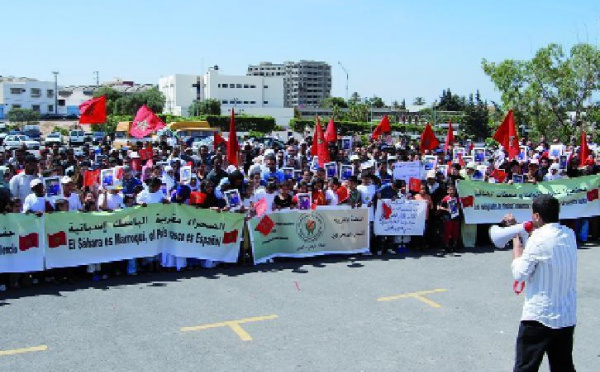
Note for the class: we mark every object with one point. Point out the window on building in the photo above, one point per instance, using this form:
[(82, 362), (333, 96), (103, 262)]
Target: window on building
[(16, 91), (224, 101), (245, 102), (50, 93), (238, 85), (35, 108), (265, 102), (253, 102), (246, 86), (62, 102), (16, 106), (50, 108), (36, 92), (266, 86), (218, 85), (252, 86)]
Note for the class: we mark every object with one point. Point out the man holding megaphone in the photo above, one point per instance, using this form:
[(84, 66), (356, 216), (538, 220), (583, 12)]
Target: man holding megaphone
[(548, 266)]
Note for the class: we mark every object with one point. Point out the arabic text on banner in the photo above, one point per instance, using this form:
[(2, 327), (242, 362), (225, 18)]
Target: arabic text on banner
[(333, 230), (488, 203), (407, 217), (21, 244)]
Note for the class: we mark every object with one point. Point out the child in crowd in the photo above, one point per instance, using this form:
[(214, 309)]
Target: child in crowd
[(450, 209)]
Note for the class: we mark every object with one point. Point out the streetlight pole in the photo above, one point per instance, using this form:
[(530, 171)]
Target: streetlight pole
[(346, 71), (55, 92)]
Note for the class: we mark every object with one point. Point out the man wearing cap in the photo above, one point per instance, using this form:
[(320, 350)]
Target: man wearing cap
[(20, 184), (553, 173), (68, 194), (36, 201)]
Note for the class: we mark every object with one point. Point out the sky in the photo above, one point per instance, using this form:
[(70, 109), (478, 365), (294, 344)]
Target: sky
[(392, 49)]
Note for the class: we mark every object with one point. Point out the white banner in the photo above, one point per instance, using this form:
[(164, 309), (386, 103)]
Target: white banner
[(21, 245), (405, 170), (400, 218)]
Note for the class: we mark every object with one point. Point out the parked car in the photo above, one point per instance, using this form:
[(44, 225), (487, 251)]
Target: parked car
[(33, 131), (76, 137), (98, 137), (12, 142), (52, 138)]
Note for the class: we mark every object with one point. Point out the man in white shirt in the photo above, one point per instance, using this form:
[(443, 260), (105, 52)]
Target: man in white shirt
[(36, 201), (153, 195), (20, 184), (69, 195), (548, 266)]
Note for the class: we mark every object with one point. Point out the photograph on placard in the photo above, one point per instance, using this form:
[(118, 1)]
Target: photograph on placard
[(288, 173), (304, 201), (517, 178), (479, 174), (522, 153), (185, 174), (298, 175), (331, 169), (346, 171), (555, 151), (52, 186), (314, 163), (478, 154), (107, 176), (467, 159), (443, 169), (232, 198), (563, 160), (429, 162), (453, 207), (458, 151), (346, 143)]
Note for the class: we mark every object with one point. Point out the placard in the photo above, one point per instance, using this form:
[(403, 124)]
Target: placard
[(405, 170), (403, 218)]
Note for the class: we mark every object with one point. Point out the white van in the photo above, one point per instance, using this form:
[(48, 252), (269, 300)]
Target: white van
[(76, 137)]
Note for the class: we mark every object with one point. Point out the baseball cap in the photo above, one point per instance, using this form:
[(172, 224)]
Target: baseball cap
[(66, 179), (35, 182)]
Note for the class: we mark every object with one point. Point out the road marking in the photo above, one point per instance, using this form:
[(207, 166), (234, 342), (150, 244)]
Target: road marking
[(233, 324), (418, 295), (23, 350)]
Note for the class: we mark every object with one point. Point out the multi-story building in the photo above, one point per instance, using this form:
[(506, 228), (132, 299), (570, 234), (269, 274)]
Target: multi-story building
[(26, 93), (306, 83), (180, 92)]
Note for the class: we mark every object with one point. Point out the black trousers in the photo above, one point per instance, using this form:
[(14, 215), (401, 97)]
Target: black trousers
[(535, 340)]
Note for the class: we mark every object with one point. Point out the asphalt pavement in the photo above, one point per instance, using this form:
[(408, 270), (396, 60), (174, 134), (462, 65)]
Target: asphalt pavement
[(410, 312)]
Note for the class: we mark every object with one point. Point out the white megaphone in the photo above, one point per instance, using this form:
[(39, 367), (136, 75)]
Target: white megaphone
[(502, 235)]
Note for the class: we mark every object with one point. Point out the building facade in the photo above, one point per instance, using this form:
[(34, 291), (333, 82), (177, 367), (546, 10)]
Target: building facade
[(26, 93), (180, 92), (306, 83)]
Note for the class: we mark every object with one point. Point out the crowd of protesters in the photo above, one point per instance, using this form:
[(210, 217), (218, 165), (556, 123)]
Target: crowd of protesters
[(156, 179)]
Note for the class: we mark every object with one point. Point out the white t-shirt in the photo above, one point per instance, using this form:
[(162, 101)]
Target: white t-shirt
[(34, 203), (270, 198), (113, 201), (74, 202), (146, 197), (331, 197), (367, 193), (19, 185)]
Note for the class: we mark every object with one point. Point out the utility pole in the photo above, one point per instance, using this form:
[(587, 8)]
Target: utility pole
[(55, 92), (346, 71), (97, 78)]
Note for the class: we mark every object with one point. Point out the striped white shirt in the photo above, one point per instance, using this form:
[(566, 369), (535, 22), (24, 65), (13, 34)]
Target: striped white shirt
[(549, 268)]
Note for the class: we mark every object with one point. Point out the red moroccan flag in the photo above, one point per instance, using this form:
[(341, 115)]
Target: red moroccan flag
[(230, 237), (449, 137), (499, 175), (592, 195), (467, 201), (322, 152), (382, 127), (584, 150), (428, 139), (331, 133), (93, 111), (218, 139), (232, 143), (342, 194), (265, 225), (506, 135), (386, 211), (414, 184), (461, 161), (145, 122), (28, 241), (57, 239), (260, 207), (197, 197), (314, 148), (146, 153), (90, 178)]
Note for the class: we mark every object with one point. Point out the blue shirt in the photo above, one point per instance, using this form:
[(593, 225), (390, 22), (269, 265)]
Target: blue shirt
[(130, 184)]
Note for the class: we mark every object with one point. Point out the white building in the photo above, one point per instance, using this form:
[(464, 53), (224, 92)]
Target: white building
[(180, 92), (251, 95), (27, 93)]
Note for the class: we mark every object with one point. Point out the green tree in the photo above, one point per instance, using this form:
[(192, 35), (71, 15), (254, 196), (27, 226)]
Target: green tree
[(207, 107), (21, 115), (543, 90), (331, 102), (376, 102), (450, 102), (403, 104), (419, 101), (354, 99), (475, 122)]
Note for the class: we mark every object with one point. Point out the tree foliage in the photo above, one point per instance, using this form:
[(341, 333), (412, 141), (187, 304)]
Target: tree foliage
[(419, 101), (118, 103), (543, 91), (22, 115), (331, 102), (450, 102), (209, 106)]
